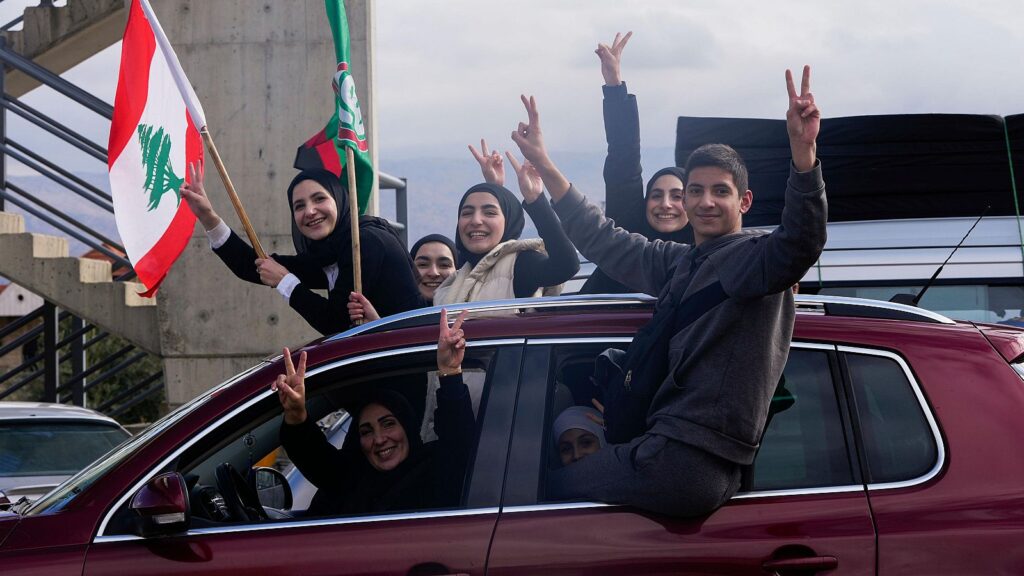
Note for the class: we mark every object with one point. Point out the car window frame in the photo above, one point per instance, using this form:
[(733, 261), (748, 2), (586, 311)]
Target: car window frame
[(504, 347), (923, 405), (516, 496)]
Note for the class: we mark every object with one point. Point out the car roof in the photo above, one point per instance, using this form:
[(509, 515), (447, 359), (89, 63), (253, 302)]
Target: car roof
[(50, 411)]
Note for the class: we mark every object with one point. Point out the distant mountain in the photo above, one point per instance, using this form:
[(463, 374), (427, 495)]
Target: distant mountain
[(60, 198)]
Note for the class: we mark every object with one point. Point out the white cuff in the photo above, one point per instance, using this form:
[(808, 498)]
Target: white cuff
[(286, 285), (219, 235)]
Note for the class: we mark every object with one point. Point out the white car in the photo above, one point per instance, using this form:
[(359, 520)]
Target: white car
[(42, 444)]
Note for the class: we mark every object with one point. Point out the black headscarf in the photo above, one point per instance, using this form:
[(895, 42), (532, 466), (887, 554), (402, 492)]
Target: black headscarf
[(511, 208), (441, 238), (684, 234), (372, 490), (336, 247)]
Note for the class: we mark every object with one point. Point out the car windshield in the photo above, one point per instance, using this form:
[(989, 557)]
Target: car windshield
[(60, 496), (54, 448)]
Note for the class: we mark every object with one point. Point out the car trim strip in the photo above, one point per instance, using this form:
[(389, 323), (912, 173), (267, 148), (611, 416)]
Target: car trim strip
[(343, 362), (582, 340), (813, 304), (320, 522), (940, 446)]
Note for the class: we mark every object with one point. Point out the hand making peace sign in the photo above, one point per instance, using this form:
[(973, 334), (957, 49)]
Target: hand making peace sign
[(490, 164), (803, 120), (451, 344), (291, 389)]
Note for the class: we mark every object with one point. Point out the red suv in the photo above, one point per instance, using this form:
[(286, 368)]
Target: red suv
[(887, 451)]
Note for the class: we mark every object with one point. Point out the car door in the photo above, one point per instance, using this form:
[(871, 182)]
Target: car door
[(803, 507), (414, 542)]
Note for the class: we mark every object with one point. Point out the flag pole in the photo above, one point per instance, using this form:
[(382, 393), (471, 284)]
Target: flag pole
[(235, 201), (353, 208)]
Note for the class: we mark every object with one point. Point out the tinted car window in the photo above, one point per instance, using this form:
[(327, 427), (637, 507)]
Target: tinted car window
[(53, 448), (898, 441), (803, 445)]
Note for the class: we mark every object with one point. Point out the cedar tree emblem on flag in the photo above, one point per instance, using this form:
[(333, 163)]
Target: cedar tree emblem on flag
[(160, 176)]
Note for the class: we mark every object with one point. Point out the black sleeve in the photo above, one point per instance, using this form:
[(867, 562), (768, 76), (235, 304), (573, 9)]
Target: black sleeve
[(241, 259), (534, 270), (455, 427), (388, 281), (308, 448), (623, 175)]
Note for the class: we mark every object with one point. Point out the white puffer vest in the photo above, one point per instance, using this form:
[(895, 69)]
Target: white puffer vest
[(492, 277)]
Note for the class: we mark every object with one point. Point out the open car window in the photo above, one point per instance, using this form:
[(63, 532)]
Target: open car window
[(251, 440)]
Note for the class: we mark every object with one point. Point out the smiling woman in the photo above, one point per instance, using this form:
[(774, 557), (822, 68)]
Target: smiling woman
[(322, 236)]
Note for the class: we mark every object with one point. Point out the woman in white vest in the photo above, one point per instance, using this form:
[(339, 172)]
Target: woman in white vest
[(496, 263)]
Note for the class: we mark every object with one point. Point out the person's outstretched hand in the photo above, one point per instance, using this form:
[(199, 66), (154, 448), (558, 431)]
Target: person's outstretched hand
[(530, 184), (291, 389), (451, 344), (611, 59), (360, 309), (803, 121), (530, 140), (491, 165), (194, 193), (528, 136)]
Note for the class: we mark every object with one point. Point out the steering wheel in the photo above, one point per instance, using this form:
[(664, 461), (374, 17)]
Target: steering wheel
[(239, 498)]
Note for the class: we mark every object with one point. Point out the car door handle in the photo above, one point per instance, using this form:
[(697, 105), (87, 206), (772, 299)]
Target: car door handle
[(806, 564)]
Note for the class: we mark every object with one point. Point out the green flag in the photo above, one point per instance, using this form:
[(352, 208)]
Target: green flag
[(345, 129)]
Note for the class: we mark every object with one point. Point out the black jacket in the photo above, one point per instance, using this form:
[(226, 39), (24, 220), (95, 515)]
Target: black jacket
[(388, 279), (431, 477)]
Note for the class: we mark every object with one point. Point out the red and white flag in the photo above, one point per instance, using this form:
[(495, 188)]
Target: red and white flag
[(154, 135)]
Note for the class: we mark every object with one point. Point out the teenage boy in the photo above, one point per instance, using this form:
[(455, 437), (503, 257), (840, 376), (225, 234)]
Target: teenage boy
[(687, 409)]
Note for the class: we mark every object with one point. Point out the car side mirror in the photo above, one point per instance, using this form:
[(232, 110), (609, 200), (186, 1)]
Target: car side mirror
[(272, 488), (162, 505)]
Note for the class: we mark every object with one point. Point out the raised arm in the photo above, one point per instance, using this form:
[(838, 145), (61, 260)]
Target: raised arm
[(792, 248), (623, 174), (628, 258), (535, 270)]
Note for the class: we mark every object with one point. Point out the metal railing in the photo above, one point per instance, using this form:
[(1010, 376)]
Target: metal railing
[(63, 358), (72, 358)]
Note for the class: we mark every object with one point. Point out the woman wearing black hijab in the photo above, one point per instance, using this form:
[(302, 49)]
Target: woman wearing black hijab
[(495, 263), (321, 233), (383, 464), (655, 211), (433, 259)]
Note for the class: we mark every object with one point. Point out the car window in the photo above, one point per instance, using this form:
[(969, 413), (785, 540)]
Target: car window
[(898, 441), (803, 444), (252, 439), (55, 447)]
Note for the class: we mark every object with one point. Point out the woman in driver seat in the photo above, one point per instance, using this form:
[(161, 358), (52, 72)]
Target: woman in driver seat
[(383, 464)]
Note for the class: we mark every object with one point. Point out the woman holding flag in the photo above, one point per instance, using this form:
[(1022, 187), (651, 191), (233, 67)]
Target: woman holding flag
[(322, 237)]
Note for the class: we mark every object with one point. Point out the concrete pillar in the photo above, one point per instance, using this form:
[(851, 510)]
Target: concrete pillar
[(262, 70)]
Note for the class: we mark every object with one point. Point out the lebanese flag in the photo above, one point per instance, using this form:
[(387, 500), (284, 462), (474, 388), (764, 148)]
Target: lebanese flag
[(154, 135)]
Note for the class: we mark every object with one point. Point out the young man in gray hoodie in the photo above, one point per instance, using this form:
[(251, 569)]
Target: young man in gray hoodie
[(721, 330)]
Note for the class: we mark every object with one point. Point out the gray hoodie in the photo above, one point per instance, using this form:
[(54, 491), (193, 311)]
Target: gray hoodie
[(724, 367)]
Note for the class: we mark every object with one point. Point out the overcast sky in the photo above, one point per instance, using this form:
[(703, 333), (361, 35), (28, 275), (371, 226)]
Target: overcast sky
[(450, 72)]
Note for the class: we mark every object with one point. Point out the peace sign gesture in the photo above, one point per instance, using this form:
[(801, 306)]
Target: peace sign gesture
[(530, 184), (451, 344), (803, 120), (528, 135), (611, 58), (490, 164), (291, 389)]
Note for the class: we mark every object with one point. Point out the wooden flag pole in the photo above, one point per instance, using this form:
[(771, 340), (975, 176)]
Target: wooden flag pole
[(353, 208), (239, 209)]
